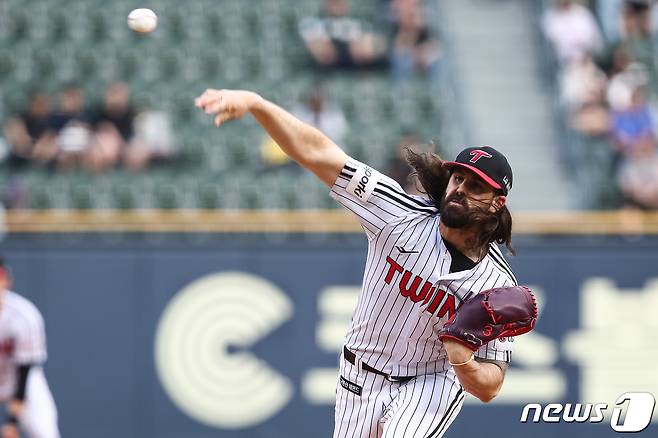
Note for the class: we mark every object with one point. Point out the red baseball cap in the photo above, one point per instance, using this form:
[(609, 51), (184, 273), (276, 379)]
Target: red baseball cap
[(488, 163)]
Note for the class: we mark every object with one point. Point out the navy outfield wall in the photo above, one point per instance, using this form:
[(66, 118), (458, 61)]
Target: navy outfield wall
[(227, 336)]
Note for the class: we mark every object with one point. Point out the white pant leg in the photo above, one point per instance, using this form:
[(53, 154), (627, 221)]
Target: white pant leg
[(424, 407), (39, 419), (358, 416)]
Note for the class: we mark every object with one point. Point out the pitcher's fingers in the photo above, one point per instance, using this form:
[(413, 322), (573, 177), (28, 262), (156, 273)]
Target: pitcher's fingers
[(206, 97), (221, 118), (215, 106), (200, 101)]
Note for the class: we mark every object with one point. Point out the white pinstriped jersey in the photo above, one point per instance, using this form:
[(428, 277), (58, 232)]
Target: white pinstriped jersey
[(408, 291), (22, 338)]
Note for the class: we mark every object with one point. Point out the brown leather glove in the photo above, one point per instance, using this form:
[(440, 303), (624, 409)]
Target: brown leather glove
[(491, 314)]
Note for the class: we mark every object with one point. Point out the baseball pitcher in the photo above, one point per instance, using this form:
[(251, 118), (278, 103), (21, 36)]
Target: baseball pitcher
[(439, 306)]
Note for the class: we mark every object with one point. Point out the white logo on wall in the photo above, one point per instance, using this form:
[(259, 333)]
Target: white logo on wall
[(196, 333), (615, 345)]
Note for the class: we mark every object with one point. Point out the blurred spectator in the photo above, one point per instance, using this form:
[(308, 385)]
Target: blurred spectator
[(581, 81), (589, 154), (633, 126), (121, 134), (15, 194), (324, 114), (71, 123), (625, 81), (413, 49), (153, 141), (30, 135), (638, 176), (73, 137), (338, 40), (592, 118), (637, 40), (572, 29), (398, 168), (315, 110), (113, 128)]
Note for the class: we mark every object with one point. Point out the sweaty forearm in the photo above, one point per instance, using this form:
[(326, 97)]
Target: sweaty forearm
[(482, 379)]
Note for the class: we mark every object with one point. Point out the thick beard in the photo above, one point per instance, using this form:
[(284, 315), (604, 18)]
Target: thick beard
[(454, 217), (458, 217)]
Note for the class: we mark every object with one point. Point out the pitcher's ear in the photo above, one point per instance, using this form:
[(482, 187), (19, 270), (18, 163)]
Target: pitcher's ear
[(498, 203)]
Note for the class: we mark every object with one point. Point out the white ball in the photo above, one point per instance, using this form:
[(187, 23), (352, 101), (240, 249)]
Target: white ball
[(142, 20)]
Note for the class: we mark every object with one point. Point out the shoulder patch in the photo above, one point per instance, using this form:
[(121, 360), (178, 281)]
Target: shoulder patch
[(363, 182)]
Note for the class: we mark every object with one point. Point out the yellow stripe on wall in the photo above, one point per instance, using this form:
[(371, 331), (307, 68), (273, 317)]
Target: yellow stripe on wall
[(297, 221)]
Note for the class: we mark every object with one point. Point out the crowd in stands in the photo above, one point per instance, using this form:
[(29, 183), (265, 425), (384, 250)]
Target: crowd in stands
[(74, 135), (401, 42), (607, 57), (399, 39), (61, 129)]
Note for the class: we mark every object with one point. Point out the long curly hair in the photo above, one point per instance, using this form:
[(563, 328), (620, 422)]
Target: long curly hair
[(433, 175)]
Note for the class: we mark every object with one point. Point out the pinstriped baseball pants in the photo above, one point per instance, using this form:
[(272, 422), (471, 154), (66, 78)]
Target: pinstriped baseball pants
[(370, 406)]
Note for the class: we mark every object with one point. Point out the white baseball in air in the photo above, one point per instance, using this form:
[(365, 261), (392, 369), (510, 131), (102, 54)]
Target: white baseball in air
[(142, 20)]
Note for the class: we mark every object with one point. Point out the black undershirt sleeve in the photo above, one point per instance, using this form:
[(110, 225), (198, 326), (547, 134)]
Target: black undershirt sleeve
[(21, 381)]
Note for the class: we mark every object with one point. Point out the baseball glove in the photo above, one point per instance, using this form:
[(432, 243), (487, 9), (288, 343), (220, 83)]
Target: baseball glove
[(491, 314)]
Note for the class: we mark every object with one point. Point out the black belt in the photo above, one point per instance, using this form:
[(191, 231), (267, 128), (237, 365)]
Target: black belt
[(351, 358)]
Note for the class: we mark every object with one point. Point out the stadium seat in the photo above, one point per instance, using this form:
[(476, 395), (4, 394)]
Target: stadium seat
[(82, 197)]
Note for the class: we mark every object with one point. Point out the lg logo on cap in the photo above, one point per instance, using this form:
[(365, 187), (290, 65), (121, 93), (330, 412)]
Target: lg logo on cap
[(477, 154)]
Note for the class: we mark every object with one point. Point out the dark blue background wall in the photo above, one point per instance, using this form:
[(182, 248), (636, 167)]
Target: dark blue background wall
[(102, 298)]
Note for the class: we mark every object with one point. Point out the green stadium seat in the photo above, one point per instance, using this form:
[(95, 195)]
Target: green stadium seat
[(209, 195), (82, 197), (124, 197), (166, 197), (214, 25), (19, 26), (7, 64), (40, 199), (57, 26)]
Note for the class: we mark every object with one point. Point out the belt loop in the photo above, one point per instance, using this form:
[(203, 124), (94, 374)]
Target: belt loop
[(357, 363)]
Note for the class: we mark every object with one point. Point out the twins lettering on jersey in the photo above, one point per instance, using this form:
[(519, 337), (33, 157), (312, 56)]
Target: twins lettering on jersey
[(426, 292)]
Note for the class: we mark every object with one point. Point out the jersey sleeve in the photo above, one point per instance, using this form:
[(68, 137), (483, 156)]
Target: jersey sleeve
[(374, 198), (498, 349), (30, 337)]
